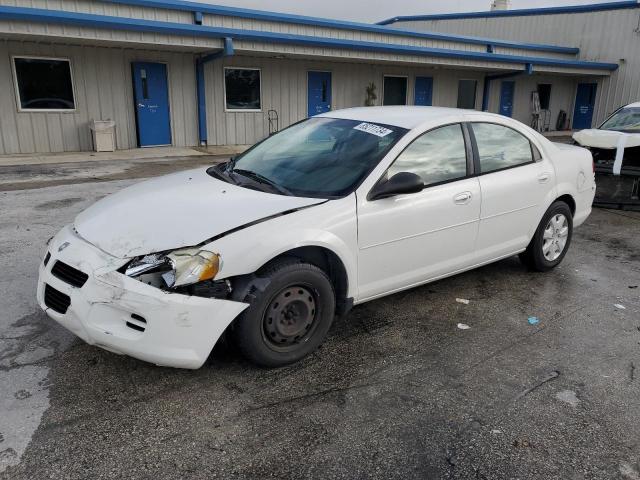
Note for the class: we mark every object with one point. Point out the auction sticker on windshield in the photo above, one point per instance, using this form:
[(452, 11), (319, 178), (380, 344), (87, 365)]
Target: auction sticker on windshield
[(376, 130)]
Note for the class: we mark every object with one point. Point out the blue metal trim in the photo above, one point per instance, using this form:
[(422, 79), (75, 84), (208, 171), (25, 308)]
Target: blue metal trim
[(595, 7), (323, 22), (486, 87), (130, 24), (227, 51)]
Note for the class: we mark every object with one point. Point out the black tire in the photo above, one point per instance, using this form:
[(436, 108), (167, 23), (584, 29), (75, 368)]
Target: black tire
[(533, 257), (291, 308)]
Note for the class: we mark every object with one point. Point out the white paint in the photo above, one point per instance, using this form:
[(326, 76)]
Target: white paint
[(385, 245), (619, 306), (463, 301), (568, 396), (463, 326)]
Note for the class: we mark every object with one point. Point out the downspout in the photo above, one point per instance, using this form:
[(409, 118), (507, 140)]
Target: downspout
[(227, 51), (486, 88)]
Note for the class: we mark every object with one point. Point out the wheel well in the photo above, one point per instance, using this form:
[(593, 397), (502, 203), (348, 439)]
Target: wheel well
[(330, 263), (568, 199)]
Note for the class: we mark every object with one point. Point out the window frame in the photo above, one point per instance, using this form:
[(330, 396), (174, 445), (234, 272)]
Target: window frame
[(469, 154), (406, 92), (224, 89), (43, 110), (475, 92), (476, 153)]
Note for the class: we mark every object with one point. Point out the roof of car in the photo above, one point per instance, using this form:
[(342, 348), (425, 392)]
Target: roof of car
[(400, 116), (634, 105)]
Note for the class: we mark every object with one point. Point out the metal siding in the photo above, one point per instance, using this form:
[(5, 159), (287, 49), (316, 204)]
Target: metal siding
[(284, 88), (601, 36), (103, 90)]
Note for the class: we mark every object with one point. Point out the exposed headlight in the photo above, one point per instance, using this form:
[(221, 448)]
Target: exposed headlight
[(178, 268)]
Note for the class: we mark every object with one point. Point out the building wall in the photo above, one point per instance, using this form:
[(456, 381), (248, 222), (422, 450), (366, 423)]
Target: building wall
[(103, 91), (609, 36), (284, 89)]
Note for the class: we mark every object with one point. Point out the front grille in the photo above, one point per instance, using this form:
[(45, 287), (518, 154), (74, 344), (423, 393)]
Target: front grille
[(68, 274), (137, 323), (56, 300), (47, 257)]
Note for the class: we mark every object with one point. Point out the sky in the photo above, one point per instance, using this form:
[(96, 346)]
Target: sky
[(376, 10)]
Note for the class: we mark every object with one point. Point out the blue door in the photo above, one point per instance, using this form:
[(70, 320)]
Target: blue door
[(585, 101), (319, 93), (424, 91), (151, 93), (506, 98)]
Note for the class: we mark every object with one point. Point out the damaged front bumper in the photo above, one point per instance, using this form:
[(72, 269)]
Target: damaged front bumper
[(79, 287)]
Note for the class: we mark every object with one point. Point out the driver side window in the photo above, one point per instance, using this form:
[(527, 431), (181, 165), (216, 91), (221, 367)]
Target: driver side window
[(436, 156)]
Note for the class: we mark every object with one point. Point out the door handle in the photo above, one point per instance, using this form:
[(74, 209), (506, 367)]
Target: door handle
[(462, 198), (544, 177)]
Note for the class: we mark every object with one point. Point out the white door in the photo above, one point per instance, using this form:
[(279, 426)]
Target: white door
[(515, 183), (408, 239)]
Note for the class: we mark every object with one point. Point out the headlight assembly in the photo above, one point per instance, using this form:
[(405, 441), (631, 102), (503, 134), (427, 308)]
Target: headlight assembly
[(178, 268)]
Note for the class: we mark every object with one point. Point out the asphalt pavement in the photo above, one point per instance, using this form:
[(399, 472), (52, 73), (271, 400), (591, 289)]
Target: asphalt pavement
[(398, 390)]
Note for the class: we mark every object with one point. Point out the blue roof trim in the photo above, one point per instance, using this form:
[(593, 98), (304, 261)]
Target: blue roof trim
[(595, 7), (340, 24), (169, 28)]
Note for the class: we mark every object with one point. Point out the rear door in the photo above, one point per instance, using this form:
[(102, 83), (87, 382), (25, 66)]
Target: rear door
[(408, 239), (515, 181)]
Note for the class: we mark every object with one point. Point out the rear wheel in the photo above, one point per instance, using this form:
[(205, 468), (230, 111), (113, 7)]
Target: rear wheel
[(292, 305), (551, 240)]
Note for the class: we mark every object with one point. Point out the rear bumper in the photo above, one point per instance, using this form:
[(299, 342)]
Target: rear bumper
[(125, 316)]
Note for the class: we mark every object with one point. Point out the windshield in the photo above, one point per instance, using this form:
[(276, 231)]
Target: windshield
[(624, 120), (318, 157)]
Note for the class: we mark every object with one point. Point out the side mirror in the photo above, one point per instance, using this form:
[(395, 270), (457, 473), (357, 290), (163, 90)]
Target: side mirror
[(400, 183)]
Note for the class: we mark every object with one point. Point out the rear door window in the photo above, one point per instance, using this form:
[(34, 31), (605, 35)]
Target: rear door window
[(500, 147)]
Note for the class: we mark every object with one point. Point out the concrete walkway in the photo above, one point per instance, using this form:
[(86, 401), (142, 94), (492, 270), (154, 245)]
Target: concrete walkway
[(151, 153)]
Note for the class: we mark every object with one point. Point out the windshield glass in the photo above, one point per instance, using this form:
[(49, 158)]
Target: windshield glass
[(624, 120), (318, 157)]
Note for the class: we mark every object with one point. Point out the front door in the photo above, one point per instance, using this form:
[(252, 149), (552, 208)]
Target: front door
[(424, 91), (585, 101), (319, 93), (409, 239), (506, 98), (152, 104)]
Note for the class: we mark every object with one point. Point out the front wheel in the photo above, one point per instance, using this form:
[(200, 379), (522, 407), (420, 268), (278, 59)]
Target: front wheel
[(551, 240), (292, 305)]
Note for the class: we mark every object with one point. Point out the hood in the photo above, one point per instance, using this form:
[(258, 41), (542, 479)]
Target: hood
[(178, 210), (605, 138)]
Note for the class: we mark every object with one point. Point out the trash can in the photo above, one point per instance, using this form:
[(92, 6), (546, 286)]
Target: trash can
[(104, 135)]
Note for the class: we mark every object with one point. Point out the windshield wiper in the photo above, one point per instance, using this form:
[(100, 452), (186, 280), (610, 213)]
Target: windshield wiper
[(262, 179)]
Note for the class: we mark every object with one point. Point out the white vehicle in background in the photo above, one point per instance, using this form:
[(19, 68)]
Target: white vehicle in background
[(615, 146), (336, 210)]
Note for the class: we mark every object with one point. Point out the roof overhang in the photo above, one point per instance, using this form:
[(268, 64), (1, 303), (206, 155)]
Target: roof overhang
[(61, 17)]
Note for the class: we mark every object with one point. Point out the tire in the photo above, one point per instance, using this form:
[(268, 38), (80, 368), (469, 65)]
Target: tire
[(543, 254), (291, 308)]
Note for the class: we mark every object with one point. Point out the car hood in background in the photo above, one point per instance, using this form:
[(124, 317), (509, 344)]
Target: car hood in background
[(177, 210), (605, 138)]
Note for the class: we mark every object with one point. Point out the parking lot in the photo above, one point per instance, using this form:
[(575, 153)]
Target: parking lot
[(398, 390)]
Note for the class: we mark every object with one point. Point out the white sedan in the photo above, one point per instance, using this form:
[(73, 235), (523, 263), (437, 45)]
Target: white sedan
[(333, 211)]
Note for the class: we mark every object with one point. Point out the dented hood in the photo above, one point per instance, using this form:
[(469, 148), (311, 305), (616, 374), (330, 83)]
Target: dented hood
[(605, 138), (177, 210)]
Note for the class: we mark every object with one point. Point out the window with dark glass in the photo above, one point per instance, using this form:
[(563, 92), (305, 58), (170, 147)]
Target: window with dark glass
[(242, 88), (500, 147), (44, 83), (395, 91), (467, 94), (436, 156), (544, 94)]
